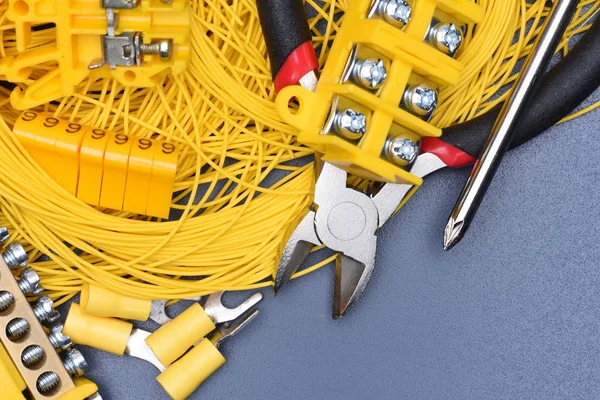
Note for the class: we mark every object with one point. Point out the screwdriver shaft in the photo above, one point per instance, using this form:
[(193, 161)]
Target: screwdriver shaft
[(504, 129)]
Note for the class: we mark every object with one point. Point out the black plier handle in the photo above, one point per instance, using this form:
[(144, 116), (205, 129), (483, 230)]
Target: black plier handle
[(289, 41)]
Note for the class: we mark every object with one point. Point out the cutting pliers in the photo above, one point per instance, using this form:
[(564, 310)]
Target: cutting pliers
[(346, 220)]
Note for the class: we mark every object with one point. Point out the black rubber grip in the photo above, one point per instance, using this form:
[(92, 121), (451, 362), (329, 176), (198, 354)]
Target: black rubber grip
[(285, 27), (562, 89)]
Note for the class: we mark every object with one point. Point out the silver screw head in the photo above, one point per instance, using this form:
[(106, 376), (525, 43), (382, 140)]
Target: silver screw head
[(370, 73), (29, 282), (350, 124), (421, 99), (402, 151), (75, 363), (15, 255), (396, 12), (447, 37), (165, 49), (58, 339), (4, 235), (44, 311)]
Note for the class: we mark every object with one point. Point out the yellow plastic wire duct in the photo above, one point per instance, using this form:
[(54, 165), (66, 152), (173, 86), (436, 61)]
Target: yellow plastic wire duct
[(230, 222)]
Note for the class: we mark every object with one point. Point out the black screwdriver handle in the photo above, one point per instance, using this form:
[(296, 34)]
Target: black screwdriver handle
[(562, 90), (288, 38)]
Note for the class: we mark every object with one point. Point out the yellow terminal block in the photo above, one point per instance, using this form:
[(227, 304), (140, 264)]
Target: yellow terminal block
[(102, 302), (173, 339), (407, 56), (107, 334), (137, 185), (91, 165), (183, 377), (90, 37)]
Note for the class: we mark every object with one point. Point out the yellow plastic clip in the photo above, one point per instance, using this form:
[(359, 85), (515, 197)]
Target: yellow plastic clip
[(101, 302), (107, 334)]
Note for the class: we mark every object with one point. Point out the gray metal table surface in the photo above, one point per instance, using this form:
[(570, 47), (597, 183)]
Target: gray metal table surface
[(513, 312)]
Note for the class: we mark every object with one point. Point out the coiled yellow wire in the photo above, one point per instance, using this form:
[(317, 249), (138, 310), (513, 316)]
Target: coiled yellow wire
[(231, 218)]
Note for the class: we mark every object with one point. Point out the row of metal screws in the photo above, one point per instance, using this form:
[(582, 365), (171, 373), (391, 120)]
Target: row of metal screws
[(17, 329)]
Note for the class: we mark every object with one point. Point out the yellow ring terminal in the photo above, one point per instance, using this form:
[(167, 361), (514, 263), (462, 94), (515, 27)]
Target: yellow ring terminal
[(173, 339), (185, 375), (107, 334), (101, 302)]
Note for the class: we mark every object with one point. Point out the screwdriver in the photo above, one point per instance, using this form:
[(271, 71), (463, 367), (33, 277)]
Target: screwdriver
[(504, 130)]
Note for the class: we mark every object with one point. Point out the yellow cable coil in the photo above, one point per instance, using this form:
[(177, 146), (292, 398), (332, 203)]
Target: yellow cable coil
[(221, 111)]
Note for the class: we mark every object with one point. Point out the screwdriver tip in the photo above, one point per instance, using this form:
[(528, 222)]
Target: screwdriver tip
[(453, 233)]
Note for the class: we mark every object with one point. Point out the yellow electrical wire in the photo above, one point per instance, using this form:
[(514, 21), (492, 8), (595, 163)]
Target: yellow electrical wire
[(242, 179)]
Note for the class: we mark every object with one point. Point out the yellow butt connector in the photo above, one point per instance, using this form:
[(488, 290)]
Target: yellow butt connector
[(101, 302), (380, 83), (107, 334)]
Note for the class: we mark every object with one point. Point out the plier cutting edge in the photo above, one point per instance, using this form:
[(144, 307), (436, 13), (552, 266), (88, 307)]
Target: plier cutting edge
[(346, 220)]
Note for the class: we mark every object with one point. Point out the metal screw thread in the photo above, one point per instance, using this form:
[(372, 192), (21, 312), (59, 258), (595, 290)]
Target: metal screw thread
[(150, 48), (32, 355), (47, 382), (15, 255), (17, 328), (74, 363), (58, 340), (24, 286), (39, 311), (6, 301)]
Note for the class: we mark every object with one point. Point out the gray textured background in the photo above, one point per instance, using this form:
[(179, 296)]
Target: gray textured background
[(512, 312)]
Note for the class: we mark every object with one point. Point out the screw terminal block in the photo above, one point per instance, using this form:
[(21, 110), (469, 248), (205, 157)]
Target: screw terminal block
[(384, 49), (27, 357), (135, 42), (102, 168)]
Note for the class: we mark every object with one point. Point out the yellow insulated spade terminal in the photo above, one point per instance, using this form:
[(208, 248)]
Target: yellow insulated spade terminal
[(183, 377), (173, 339), (101, 302), (107, 334)]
